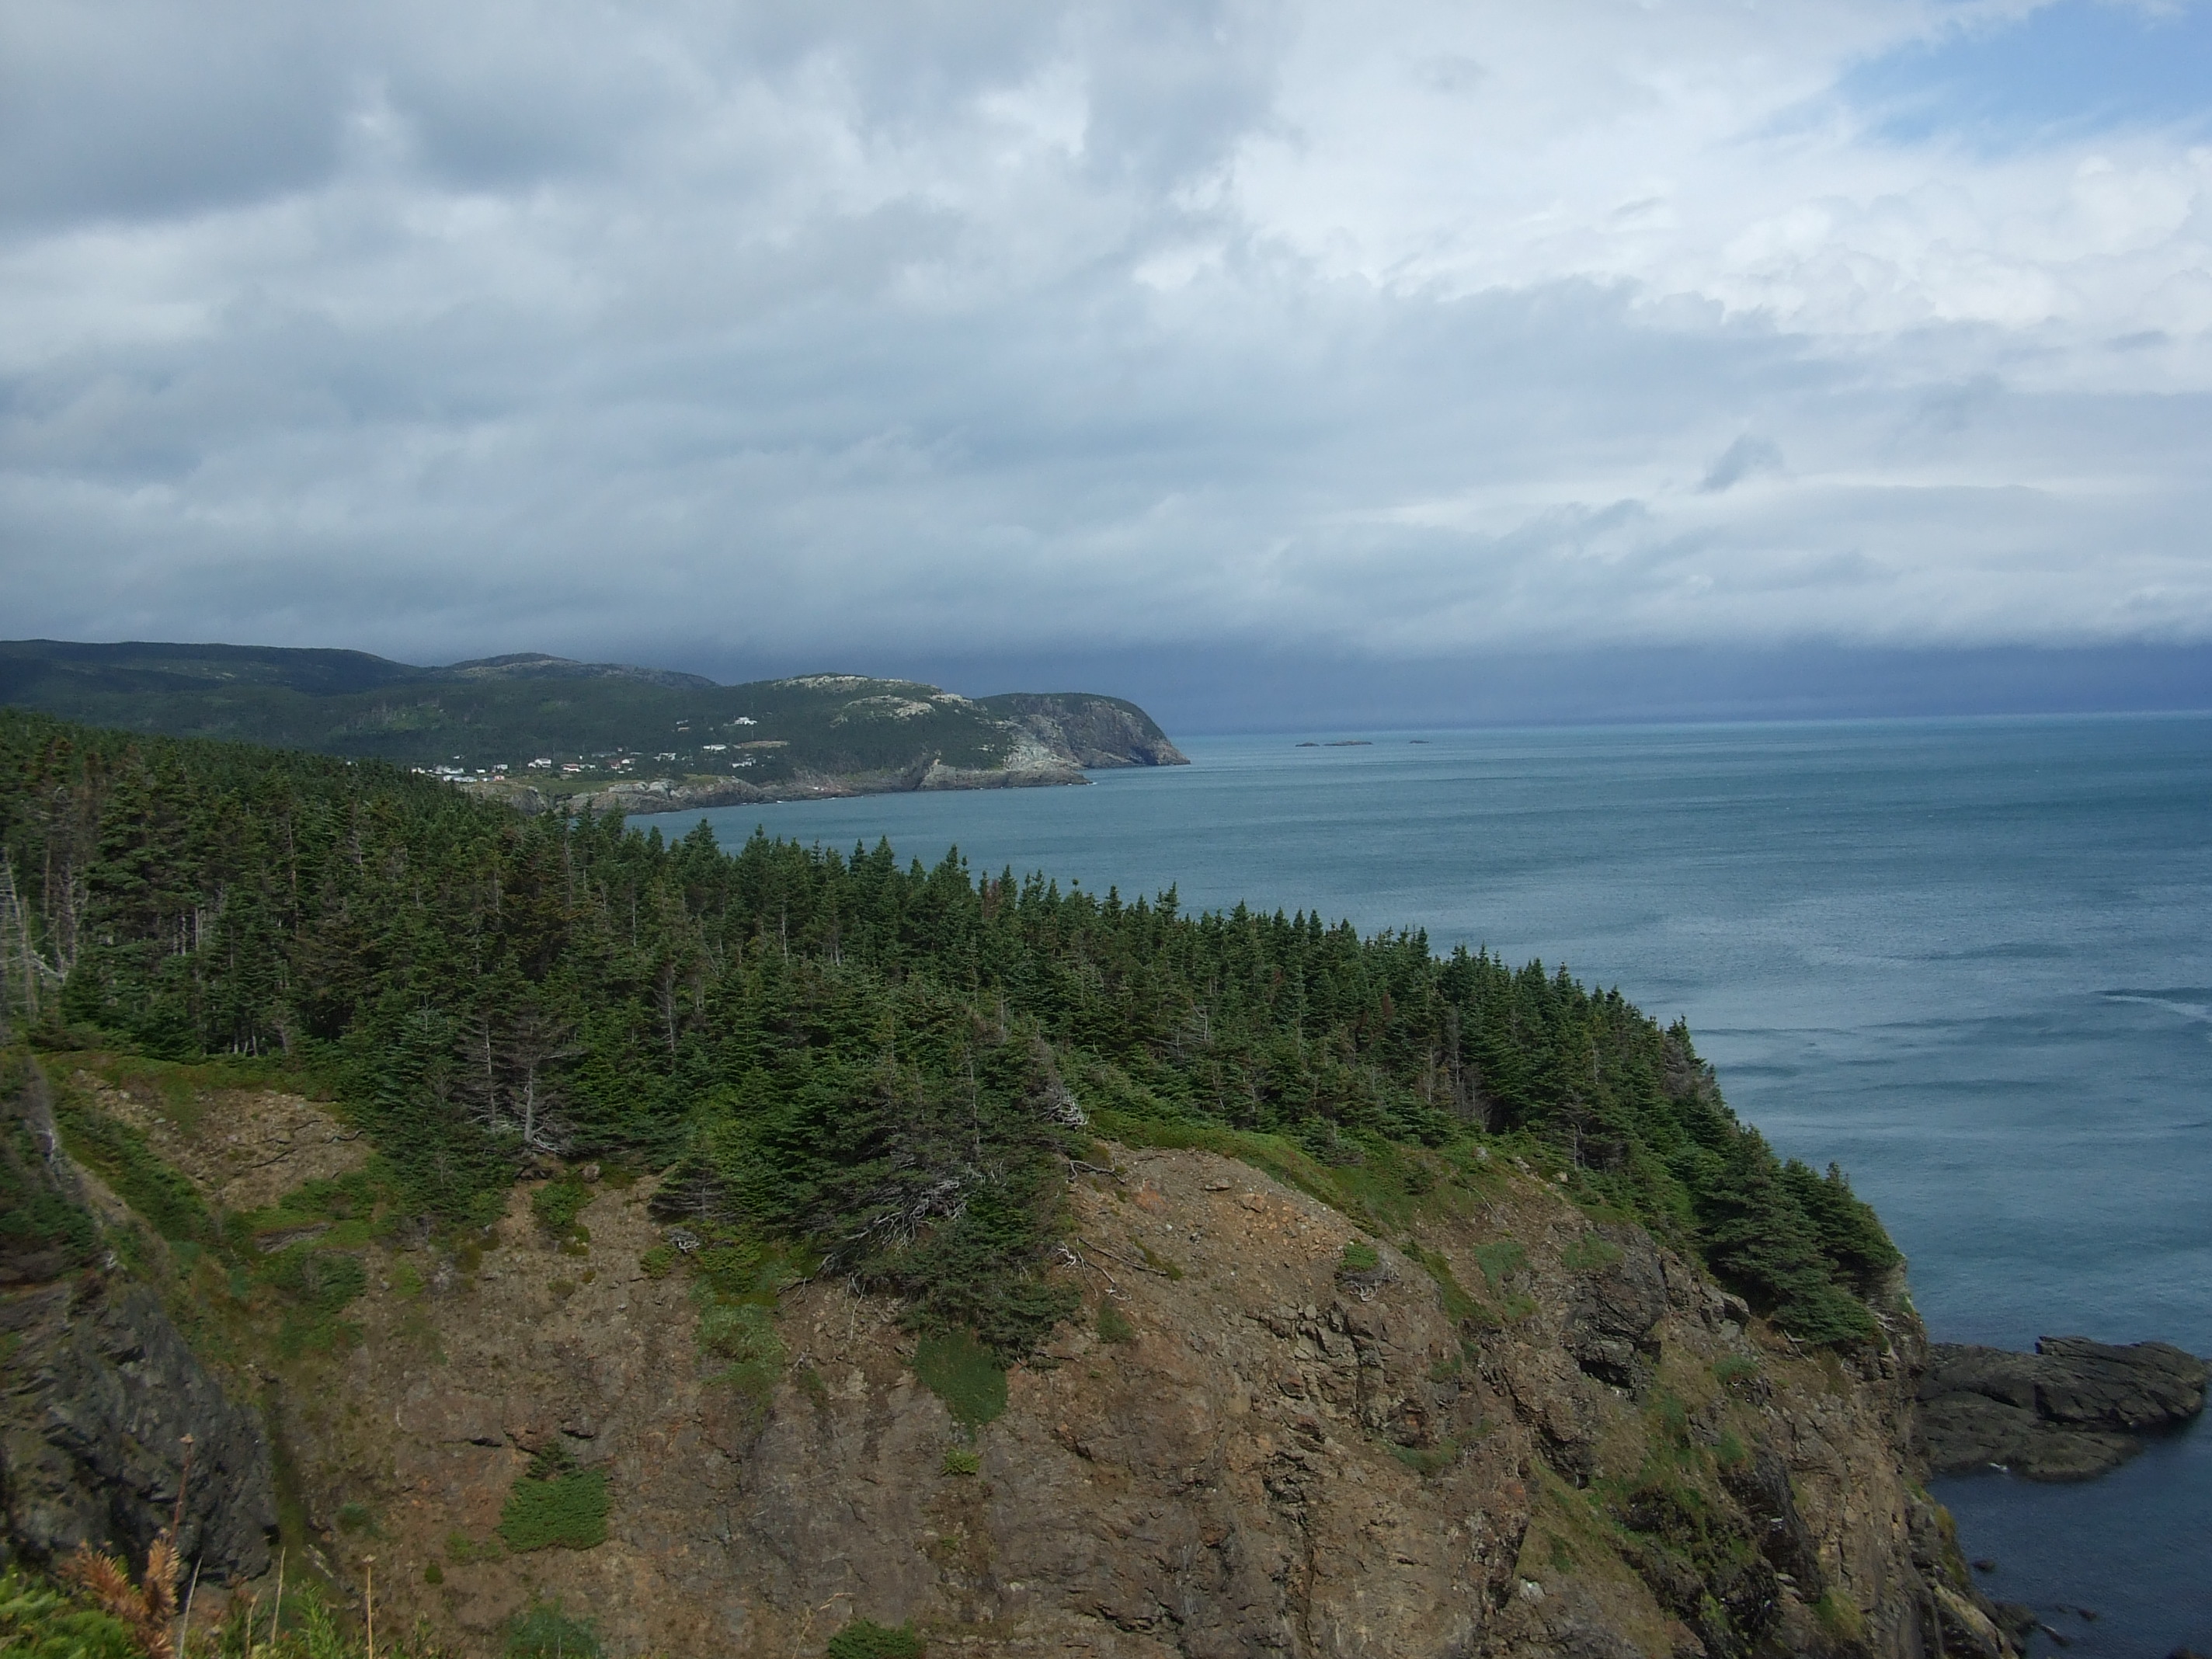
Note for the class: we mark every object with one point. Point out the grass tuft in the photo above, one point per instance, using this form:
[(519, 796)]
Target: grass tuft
[(1499, 1261)]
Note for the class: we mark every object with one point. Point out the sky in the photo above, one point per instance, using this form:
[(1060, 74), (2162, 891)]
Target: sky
[(1589, 357)]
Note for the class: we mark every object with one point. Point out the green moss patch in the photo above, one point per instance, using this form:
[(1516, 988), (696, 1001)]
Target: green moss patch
[(963, 1373)]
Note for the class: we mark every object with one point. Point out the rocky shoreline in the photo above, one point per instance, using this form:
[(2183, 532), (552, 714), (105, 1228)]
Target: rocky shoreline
[(2070, 1410), (1055, 741), (650, 795)]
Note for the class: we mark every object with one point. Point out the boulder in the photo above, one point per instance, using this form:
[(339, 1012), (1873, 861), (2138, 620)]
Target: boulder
[(2145, 1385)]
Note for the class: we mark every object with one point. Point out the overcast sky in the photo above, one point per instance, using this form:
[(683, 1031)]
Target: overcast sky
[(754, 337)]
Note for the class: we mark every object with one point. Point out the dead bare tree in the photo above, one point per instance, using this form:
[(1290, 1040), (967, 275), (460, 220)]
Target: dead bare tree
[(537, 1041), (27, 981)]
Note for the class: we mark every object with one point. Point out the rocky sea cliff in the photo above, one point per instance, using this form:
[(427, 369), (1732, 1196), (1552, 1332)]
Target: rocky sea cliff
[(1268, 1427)]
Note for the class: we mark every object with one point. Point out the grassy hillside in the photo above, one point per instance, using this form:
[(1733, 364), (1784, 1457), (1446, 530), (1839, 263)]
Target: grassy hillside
[(552, 720)]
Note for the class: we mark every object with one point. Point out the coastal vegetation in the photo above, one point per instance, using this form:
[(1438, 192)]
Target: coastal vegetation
[(839, 1064)]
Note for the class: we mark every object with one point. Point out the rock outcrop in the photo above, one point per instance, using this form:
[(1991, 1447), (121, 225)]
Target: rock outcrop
[(1500, 1428), (101, 1390), (2069, 1411), (1093, 731)]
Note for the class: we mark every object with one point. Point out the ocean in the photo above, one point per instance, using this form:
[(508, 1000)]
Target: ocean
[(1968, 960)]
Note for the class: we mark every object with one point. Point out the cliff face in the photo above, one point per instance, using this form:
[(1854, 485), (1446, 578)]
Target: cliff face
[(101, 1390), (1093, 730), (1495, 1427)]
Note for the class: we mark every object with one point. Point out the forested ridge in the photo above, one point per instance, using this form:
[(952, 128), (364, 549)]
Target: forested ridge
[(566, 725), (880, 1070)]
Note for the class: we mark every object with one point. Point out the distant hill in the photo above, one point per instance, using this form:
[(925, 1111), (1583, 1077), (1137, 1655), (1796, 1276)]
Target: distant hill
[(537, 728)]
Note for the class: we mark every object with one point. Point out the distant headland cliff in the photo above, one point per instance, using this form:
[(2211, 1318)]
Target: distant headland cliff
[(539, 731)]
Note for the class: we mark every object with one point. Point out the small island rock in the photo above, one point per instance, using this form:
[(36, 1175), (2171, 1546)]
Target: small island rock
[(2070, 1410)]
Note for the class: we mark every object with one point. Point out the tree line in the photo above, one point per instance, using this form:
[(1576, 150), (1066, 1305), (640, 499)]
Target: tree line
[(881, 1064)]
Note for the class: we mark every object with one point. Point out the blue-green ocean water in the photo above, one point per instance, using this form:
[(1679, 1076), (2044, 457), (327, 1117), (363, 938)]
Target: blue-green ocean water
[(1970, 960)]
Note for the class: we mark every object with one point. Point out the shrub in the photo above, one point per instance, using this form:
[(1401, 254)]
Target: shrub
[(556, 1503), (963, 1373), (864, 1638), (39, 1622), (657, 1262), (558, 1203), (317, 1285), (35, 1217), (1114, 1326), (745, 1336), (961, 1460), (546, 1633), (1359, 1258)]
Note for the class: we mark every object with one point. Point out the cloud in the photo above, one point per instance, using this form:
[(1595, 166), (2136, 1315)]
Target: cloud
[(1746, 457), (810, 331)]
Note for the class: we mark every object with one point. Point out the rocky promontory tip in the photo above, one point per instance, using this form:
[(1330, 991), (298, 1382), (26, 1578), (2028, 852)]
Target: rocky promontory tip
[(2070, 1410)]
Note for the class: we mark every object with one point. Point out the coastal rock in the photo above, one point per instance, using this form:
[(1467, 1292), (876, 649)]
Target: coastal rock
[(2145, 1385), (101, 1391), (2071, 1410), (1093, 731)]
